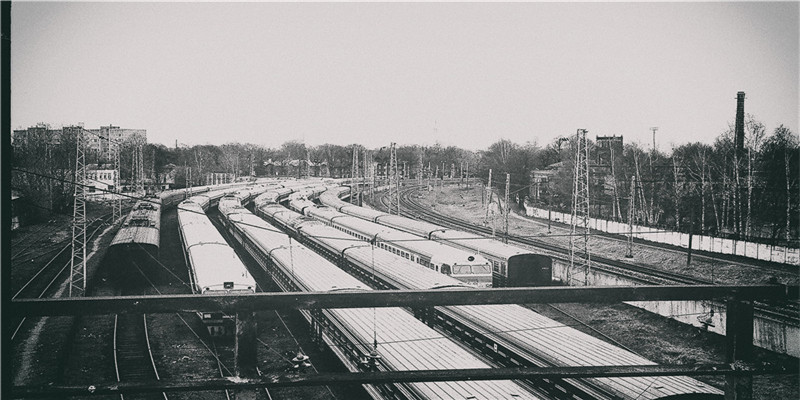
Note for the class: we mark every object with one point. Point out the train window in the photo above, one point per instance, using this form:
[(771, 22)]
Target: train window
[(503, 268), (496, 266)]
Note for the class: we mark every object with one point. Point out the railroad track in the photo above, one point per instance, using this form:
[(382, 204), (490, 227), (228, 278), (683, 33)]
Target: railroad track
[(47, 280), (643, 274), (133, 356), (32, 238)]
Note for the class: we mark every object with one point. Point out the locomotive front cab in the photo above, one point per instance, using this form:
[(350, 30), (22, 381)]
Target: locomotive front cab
[(524, 270)]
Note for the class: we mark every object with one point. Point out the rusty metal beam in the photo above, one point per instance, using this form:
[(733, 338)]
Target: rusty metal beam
[(286, 380), (391, 298)]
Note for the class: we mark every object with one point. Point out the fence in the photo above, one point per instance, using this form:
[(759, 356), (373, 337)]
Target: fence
[(760, 251)]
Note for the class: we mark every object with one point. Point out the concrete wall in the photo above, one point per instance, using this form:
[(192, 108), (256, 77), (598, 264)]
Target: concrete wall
[(768, 333), (780, 254)]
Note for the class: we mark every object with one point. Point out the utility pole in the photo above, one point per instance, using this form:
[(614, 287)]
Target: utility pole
[(467, 175), (252, 166), (615, 207), (308, 164), (364, 177), (579, 249), (116, 201), (489, 196), (354, 176), (77, 272), (419, 170), (654, 129), (139, 180), (429, 177), (435, 193), (507, 208), (396, 175), (631, 217), (653, 184)]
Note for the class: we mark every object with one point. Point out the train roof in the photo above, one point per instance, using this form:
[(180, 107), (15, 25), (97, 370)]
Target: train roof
[(408, 273), (557, 343), (478, 243), (437, 252), (215, 263), (481, 244), (212, 260), (404, 342), (141, 226)]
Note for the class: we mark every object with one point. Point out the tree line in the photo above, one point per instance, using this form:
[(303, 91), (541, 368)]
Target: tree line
[(703, 188)]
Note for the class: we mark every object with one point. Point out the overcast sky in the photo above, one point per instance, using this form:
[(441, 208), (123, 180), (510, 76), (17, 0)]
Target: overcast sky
[(458, 73)]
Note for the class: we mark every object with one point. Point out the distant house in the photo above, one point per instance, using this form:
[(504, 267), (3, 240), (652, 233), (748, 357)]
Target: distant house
[(540, 179), (100, 180)]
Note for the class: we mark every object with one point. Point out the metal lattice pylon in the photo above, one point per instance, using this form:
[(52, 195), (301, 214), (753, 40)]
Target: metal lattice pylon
[(253, 167), (579, 247), (488, 196), (420, 169), (116, 200), (139, 169), (507, 208), (631, 217), (77, 274), (393, 162), (364, 174), (354, 176)]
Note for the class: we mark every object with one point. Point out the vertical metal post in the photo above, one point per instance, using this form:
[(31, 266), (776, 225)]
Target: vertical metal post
[(507, 208), (354, 176), (579, 250), (467, 176), (77, 273), (396, 176), (739, 347), (116, 202), (363, 179), (245, 352), (631, 217), (488, 192)]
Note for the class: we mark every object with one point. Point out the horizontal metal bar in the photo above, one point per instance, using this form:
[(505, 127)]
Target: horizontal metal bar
[(285, 380), (389, 298)]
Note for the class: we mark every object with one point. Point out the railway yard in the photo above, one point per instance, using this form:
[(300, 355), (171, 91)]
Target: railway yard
[(400, 201), (297, 235)]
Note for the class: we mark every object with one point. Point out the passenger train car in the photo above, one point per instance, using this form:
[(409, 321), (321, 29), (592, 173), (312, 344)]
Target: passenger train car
[(213, 265), (468, 267), (369, 339), (510, 335), (175, 196), (138, 239), (512, 266)]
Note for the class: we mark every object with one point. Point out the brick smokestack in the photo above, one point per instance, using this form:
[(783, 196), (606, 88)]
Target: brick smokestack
[(740, 123), (742, 190)]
